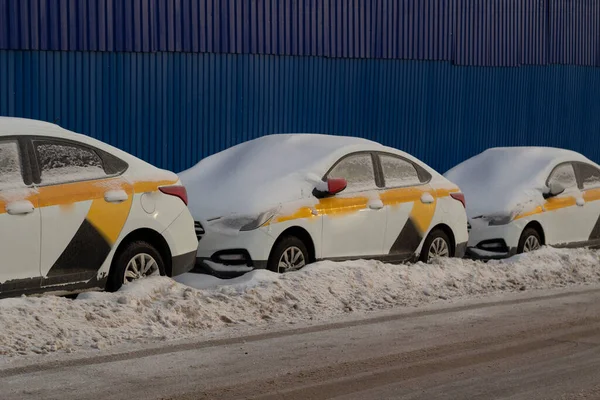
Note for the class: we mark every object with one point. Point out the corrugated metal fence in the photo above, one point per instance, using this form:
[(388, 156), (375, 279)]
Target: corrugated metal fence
[(465, 32), (173, 81), (174, 108)]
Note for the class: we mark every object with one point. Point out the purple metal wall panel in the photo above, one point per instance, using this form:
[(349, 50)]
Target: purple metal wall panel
[(465, 32)]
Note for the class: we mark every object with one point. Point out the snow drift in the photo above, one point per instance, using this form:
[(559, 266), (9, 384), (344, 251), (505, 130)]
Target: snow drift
[(160, 309)]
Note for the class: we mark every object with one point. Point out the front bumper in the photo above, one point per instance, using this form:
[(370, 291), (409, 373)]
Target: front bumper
[(479, 254), (493, 242), (224, 254), (220, 270)]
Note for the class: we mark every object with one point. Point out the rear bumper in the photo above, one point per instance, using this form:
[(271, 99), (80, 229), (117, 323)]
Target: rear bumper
[(461, 249), (182, 264), (182, 242)]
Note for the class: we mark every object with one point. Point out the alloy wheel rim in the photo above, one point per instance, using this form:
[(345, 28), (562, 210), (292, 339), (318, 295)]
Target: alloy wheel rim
[(292, 259), (140, 266), (438, 248), (531, 243)]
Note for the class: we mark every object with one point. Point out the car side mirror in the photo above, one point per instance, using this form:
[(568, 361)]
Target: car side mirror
[(330, 187), (336, 185), (554, 189)]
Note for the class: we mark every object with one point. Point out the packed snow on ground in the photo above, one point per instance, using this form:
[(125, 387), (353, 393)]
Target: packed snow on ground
[(518, 176), (161, 309)]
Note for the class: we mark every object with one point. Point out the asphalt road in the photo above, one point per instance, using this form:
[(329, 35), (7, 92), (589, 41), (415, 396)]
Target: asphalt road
[(522, 346)]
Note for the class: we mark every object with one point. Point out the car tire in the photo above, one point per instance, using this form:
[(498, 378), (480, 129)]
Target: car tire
[(437, 242), (291, 251), (530, 240), (137, 253)]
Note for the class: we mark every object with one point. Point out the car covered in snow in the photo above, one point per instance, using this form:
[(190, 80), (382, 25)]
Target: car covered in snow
[(77, 214), (282, 201), (521, 198)]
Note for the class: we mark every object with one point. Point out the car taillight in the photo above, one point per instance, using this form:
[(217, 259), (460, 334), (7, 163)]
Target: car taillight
[(460, 197), (177, 191)]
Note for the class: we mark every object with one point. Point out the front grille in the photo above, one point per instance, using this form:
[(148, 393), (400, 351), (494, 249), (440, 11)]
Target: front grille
[(199, 230)]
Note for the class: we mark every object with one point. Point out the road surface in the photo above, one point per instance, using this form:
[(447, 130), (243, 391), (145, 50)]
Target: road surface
[(537, 345)]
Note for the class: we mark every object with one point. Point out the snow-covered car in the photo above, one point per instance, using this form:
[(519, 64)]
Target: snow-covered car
[(521, 198), (77, 214), (282, 201)]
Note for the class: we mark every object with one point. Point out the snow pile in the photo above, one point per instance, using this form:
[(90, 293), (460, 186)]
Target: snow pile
[(160, 309), (518, 174)]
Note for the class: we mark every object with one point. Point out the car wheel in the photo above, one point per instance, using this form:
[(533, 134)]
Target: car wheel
[(530, 240), (137, 260), (436, 245), (289, 254)]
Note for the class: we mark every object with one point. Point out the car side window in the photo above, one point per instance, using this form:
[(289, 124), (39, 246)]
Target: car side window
[(64, 162), (565, 175), (10, 166), (589, 175), (398, 172), (358, 171)]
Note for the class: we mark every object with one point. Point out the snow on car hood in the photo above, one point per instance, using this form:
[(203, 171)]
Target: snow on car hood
[(504, 180), (262, 173)]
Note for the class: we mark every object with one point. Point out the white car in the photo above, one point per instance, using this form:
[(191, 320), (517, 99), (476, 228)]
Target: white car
[(77, 214), (282, 201), (521, 198)]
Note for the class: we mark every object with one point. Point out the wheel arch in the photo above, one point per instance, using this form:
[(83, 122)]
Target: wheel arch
[(153, 238), (448, 231), (538, 228), (301, 234)]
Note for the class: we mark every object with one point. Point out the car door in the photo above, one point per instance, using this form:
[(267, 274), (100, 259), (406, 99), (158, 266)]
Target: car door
[(588, 177), (410, 203), (353, 220), (564, 214), (19, 221), (84, 206)]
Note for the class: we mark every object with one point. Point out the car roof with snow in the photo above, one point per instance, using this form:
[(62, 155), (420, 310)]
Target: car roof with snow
[(22, 126), (501, 179), (270, 170), (11, 126)]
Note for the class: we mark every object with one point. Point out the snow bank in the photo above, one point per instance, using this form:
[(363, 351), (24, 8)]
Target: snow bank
[(512, 178), (160, 309)]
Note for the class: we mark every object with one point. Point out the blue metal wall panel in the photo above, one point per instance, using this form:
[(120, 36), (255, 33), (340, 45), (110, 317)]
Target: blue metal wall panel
[(172, 109), (466, 32)]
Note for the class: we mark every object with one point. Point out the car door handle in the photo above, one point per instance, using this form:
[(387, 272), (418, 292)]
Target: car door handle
[(427, 198), (116, 196), (376, 204), (20, 207), (580, 202)]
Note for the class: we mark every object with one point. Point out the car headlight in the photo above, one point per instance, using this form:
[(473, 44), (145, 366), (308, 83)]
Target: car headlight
[(259, 221), (496, 220), (241, 223)]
